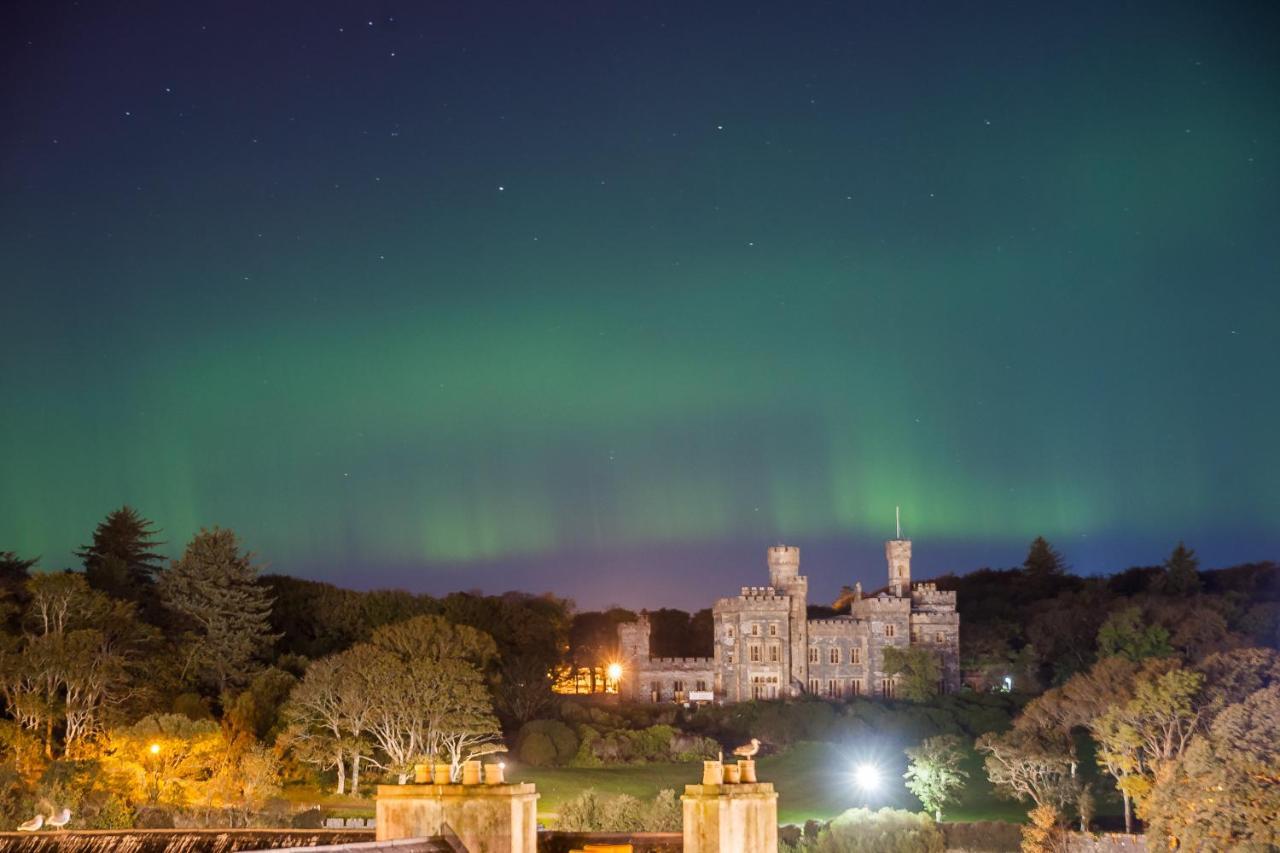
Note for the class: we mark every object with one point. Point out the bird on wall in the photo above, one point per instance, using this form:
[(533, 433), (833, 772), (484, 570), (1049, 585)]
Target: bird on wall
[(59, 820), (32, 825), (748, 750)]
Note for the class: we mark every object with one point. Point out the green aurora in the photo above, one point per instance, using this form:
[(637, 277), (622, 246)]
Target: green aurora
[(534, 312)]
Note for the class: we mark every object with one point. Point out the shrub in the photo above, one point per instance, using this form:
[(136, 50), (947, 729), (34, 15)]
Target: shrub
[(885, 831), (546, 742), (537, 750), (987, 836), (592, 811)]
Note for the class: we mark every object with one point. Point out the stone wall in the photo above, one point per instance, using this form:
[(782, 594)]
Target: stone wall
[(174, 840), (641, 842)]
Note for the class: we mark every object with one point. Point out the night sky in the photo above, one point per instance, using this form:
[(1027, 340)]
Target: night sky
[(606, 297)]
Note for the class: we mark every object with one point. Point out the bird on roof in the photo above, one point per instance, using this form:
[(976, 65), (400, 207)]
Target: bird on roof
[(748, 750), (32, 825), (59, 820)]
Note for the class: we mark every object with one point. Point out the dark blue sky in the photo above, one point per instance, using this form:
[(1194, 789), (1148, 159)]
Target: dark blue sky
[(604, 298)]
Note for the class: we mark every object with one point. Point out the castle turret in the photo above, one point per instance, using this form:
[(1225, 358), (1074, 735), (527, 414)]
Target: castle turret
[(898, 554), (784, 565), (633, 651), (785, 577)]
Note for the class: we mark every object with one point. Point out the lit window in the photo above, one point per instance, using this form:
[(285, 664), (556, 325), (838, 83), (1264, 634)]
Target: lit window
[(700, 686)]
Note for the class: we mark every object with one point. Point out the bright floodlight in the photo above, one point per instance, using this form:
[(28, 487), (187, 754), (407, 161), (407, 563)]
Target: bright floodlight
[(867, 776), (614, 671), (155, 749)]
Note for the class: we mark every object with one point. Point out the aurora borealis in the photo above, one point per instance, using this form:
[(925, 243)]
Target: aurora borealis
[(604, 298)]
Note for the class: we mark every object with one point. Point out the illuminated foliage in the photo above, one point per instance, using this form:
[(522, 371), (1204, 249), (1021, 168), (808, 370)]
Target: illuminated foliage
[(934, 773)]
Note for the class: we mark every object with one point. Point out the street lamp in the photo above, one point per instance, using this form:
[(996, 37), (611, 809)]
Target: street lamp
[(867, 777), (614, 673), (153, 789)]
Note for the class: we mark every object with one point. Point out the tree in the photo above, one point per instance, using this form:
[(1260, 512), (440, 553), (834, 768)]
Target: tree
[(1125, 634), (1181, 571), (934, 773), (329, 713), (1043, 561), (215, 591), (121, 560), (71, 667), (165, 758), (14, 574), (429, 699), (1023, 764), (918, 670), (1223, 793), (1135, 738), (1043, 832)]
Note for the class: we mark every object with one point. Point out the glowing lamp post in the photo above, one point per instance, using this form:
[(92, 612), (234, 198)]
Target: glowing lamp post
[(614, 673), (153, 789), (867, 777)]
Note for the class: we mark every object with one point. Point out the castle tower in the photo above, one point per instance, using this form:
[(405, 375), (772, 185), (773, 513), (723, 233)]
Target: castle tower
[(633, 649), (785, 577), (898, 554)]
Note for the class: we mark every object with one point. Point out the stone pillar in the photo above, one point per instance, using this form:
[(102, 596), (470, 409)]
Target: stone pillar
[(484, 818), (737, 817)]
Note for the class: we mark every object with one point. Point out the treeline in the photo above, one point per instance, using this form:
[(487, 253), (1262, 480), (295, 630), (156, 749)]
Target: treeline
[(1043, 624), (139, 691)]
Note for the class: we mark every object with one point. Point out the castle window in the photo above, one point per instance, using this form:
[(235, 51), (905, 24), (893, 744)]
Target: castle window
[(764, 687), (833, 688), (755, 630), (888, 630), (939, 637), (700, 686), (730, 632), (813, 654), (773, 654), (855, 655), (656, 688), (814, 686), (755, 654), (834, 657), (887, 688), (855, 687), (773, 629), (678, 688), (728, 657), (916, 633)]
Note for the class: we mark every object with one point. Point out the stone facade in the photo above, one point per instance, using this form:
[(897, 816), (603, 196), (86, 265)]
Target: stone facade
[(766, 647)]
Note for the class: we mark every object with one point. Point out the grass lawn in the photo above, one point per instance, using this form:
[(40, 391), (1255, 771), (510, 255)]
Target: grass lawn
[(814, 780)]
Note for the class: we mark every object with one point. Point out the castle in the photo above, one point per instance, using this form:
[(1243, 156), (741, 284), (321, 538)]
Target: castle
[(766, 647)]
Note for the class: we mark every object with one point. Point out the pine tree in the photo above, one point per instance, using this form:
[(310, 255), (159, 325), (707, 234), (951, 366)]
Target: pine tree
[(1042, 560), (214, 589), (121, 560), (1181, 571), (14, 573)]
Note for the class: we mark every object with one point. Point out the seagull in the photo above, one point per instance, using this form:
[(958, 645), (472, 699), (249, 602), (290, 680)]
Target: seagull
[(59, 820), (748, 750), (32, 825)]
